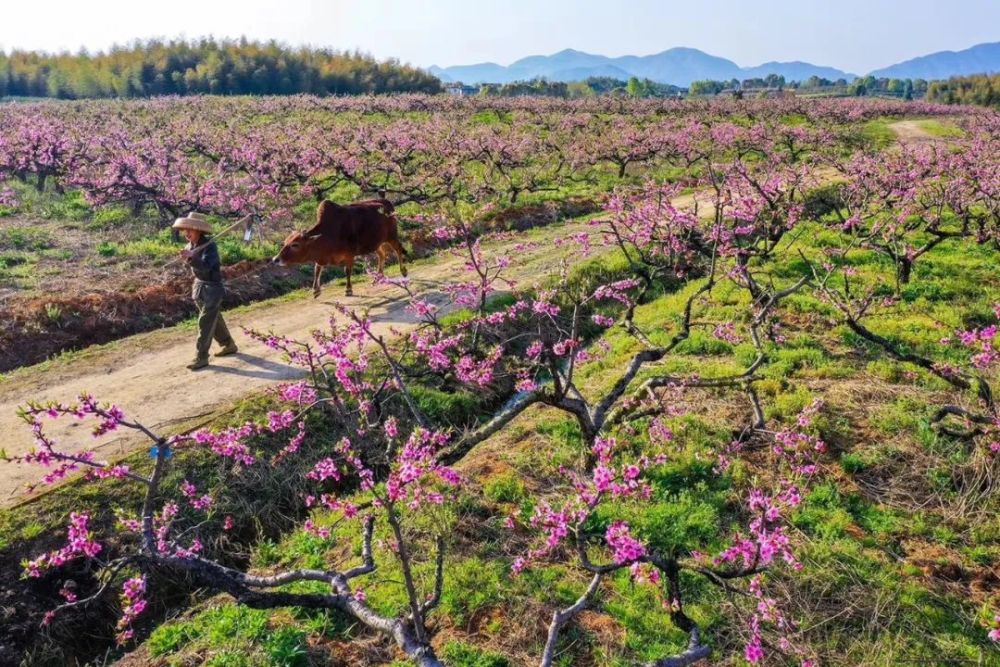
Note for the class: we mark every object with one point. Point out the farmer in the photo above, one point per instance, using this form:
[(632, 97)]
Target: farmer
[(207, 291)]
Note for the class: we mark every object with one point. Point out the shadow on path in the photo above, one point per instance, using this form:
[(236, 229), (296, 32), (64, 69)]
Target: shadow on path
[(262, 369)]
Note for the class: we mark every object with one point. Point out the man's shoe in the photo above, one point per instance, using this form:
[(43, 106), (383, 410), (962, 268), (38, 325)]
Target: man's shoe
[(227, 350), (197, 363)]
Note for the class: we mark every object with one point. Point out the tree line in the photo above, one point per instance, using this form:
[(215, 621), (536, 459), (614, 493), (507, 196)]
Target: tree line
[(712, 87), (860, 87), (590, 87), (205, 66), (981, 89)]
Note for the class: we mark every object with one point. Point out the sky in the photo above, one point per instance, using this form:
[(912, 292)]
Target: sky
[(853, 35)]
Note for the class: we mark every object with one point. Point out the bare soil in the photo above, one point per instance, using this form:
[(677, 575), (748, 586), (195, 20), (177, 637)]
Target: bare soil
[(911, 132)]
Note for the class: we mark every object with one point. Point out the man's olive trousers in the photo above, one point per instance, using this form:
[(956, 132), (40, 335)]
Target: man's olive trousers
[(208, 297)]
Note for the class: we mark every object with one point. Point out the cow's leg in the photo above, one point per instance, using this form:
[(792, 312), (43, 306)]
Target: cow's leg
[(397, 247), (380, 251), (350, 267), (317, 277)]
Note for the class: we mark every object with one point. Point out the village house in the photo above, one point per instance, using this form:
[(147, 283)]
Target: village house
[(460, 89)]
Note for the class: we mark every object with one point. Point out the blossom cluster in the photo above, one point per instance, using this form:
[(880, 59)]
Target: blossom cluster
[(62, 463), (233, 442), (609, 479), (189, 491), (79, 542), (416, 471), (133, 602), (767, 539), (795, 445), (981, 341)]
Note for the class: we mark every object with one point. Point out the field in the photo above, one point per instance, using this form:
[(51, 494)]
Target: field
[(669, 383), (88, 188)]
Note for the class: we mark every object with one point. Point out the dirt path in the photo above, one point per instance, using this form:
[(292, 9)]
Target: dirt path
[(911, 132), (145, 374)]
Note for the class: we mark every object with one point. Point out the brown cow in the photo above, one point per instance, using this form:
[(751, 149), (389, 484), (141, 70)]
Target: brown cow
[(342, 233)]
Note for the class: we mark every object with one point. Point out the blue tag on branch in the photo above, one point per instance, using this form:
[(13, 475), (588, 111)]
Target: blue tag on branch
[(154, 452)]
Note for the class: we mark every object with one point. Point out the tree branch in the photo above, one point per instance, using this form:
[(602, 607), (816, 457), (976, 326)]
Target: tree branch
[(438, 579), (514, 407), (561, 617)]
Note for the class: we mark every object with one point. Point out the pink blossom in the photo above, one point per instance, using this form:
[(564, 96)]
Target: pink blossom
[(391, 429), (602, 320), (753, 652), (133, 603), (727, 333), (325, 469), (625, 548)]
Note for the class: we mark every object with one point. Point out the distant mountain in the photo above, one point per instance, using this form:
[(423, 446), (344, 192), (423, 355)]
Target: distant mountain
[(980, 59), (582, 73), (678, 66), (440, 73), (796, 71), (568, 65), (565, 60), (480, 73)]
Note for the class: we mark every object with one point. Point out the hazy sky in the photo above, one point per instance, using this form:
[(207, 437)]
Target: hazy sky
[(854, 35)]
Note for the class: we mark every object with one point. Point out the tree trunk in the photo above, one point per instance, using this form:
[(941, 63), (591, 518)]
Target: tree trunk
[(904, 267)]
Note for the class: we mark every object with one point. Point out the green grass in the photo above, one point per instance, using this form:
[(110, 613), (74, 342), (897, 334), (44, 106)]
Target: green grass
[(161, 246), (478, 585), (460, 654), (107, 249), (450, 407), (939, 128), (24, 239), (70, 206), (238, 636), (878, 133), (111, 217), (505, 488)]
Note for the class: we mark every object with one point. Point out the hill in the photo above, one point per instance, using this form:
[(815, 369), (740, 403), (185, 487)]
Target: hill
[(979, 59), (678, 66)]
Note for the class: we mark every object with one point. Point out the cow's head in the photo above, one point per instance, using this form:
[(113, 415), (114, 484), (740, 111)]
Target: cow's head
[(295, 249)]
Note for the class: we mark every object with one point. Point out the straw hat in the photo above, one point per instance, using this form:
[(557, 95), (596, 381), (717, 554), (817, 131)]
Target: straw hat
[(196, 221)]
